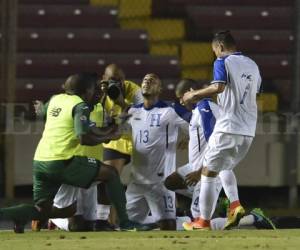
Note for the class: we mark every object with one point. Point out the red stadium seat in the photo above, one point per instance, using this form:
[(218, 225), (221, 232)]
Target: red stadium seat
[(277, 66), (54, 2), (258, 41), (66, 16), (83, 40), (177, 7), (62, 65), (233, 17), (31, 89)]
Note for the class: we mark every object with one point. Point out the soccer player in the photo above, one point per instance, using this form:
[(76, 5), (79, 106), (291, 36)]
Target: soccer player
[(237, 80), (55, 163), (202, 123), (85, 218), (154, 126), (120, 94)]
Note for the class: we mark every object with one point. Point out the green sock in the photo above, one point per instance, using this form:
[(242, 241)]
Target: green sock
[(23, 212), (116, 193)]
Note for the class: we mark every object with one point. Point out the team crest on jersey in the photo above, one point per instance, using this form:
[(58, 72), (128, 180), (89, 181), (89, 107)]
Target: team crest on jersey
[(247, 77), (55, 112)]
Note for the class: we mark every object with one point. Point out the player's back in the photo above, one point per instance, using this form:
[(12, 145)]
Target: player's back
[(238, 101), (59, 140)]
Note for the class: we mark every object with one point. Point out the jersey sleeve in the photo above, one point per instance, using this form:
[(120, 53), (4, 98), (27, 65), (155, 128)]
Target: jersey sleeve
[(182, 124), (81, 115), (220, 73)]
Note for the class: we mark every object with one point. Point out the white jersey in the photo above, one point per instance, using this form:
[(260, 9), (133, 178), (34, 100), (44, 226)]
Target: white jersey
[(201, 127), (238, 100), (154, 138)]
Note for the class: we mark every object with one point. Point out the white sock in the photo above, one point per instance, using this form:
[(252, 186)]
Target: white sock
[(208, 196), (229, 184), (103, 212), (247, 220), (218, 223), (62, 224)]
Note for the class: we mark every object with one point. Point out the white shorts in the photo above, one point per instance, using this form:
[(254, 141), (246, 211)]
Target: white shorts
[(143, 198), (225, 151), (86, 200)]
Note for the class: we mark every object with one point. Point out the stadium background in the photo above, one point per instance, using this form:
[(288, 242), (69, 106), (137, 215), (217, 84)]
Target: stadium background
[(43, 41)]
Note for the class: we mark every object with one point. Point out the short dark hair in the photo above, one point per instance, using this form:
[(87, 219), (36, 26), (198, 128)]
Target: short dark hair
[(185, 85), (79, 83), (224, 37)]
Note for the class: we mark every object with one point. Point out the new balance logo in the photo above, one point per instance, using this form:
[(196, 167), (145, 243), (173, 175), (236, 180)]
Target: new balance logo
[(55, 112)]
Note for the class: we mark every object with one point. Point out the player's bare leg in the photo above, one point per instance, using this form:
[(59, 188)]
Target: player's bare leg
[(104, 209), (174, 182)]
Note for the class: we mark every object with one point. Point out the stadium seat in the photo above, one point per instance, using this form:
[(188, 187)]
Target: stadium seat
[(233, 17), (259, 41), (164, 49), (135, 8), (29, 89), (177, 7), (61, 65), (54, 2), (274, 66), (158, 29), (193, 53), (267, 102), (197, 73), (67, 16), (104, 2), (83, 40)]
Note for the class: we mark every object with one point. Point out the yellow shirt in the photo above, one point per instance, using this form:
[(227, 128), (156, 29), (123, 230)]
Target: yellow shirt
[(59, 141), (124, 144)]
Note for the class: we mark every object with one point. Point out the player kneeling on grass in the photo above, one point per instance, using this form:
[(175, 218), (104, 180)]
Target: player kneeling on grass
[(55, 163), (86, 217), (154, 126)]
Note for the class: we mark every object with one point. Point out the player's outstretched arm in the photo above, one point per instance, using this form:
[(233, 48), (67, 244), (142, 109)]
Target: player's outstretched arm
[(196, 95)]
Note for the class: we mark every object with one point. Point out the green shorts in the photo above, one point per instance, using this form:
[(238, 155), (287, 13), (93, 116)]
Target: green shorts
[(49, 175)]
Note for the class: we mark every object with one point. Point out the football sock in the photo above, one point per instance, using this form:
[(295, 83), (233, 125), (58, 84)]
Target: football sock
[(247, 220), (116, 193), (230, 187), (62, 224), (218, 223), (103, 212), (208, 196), (22, 212)]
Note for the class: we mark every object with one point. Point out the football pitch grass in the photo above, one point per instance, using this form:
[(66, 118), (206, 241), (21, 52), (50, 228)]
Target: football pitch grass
[(161, 240)]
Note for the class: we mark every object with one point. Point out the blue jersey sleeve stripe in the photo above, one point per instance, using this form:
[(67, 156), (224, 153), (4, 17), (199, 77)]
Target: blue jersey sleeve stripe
[(220, 73), (207, 117), (182, 111)]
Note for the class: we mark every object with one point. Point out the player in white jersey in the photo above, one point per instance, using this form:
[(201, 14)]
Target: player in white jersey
[(201, 124), (154, 126), (236, 81)]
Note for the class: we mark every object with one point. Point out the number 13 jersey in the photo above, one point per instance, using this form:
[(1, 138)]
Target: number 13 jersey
[(154, 138)]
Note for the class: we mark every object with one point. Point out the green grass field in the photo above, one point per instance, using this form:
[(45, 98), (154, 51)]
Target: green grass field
[(243, 239)]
